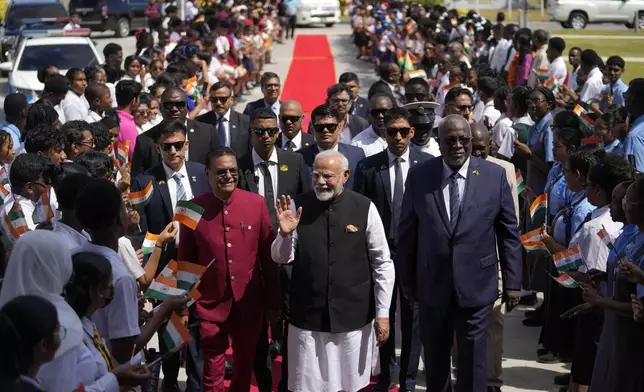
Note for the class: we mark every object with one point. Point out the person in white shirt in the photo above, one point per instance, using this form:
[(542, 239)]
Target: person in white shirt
[(373, 139), (99, 98), (490, 115), (75, 106), (73, 22), (590, 62), (540, 61), (574, 58), (557, 67)]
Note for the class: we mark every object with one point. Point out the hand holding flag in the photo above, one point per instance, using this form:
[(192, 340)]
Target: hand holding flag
[(141, 198), (630, 272), (188, 213)]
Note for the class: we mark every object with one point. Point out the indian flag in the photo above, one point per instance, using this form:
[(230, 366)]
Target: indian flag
[(16, 223), (541, 73), (188, 213), (551, 83), (45, 213), (520, 184), (141, 198), (531, 236), (603, 235), (583, 116), (228, 69), (123, 152), (176, 334), (162, 288), (448, 87), (566, 281), (170, 270), (539, 206), (195, 294), (4, 177), (149, 243), (188, 274), (569, 259), (4, 194), (418, 73), (536, 246)]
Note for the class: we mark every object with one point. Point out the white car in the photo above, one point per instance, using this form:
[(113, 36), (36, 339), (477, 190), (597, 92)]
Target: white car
[(577, 14), (65, 51), (325, 12)]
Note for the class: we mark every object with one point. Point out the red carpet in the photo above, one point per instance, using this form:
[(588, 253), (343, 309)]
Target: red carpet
[(311, 72)]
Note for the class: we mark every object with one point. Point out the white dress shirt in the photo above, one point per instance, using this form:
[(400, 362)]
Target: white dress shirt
[(75, 106), (572, 80), (129, 258), (404, 166), (558, 69), (460, 180), (297, 141), (93, 117), (432, 148), (497, 59), (95, 367), (275, 107), (503, 136), (74, 238), (490, 115), (370, 142), (593, 250), (259, 172), (172, 183), (593, 86)]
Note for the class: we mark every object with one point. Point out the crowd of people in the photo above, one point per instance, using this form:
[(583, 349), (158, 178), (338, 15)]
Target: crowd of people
[(409, 204)]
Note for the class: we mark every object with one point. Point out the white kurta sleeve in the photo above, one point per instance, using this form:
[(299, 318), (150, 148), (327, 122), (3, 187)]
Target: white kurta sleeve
[(381, 264), (283, 248)]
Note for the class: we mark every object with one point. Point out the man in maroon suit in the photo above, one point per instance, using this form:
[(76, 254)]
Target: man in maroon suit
[(241, 284)]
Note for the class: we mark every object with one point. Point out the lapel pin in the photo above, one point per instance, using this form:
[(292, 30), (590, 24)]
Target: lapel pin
[(194, 178), (475, 172), (234, 126), (306, 144), (284, 168), (161, 182), (415, 162), (191, 130), (383, 167)]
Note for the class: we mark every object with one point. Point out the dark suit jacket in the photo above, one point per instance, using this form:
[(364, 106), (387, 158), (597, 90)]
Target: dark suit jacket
[(158, 212), (361, 108), (251, 106), (293, 176), (202, 137), (357, 124), (307, 140), (382, 88), (372, 180), (239, 130), (352, 153), (437, 261)]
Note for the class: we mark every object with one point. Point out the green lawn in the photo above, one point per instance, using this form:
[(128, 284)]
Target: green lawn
[(633, 70), (609, 47), (533, 15), (612, 33)]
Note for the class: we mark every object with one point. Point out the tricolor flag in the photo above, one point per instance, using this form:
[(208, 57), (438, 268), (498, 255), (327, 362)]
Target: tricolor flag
[(4, 177), (195, 294), (149, 243), (188, 213), (176, 334), (449, 86), (566, 281), (520, 184), (123, 152), (188, 274), (45, 213), (162, 288), (603, 235), (569, 259), (585, 119), (15, 222), (536, 246), (418, 73), (4, 194), (532, 236), (141, 198), (170, 270), (539, 207), (551, 83), (541, 73), (592, 140)]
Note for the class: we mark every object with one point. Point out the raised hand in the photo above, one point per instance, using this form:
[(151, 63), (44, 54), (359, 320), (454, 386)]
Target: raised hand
[(287, 220), (169, 234)]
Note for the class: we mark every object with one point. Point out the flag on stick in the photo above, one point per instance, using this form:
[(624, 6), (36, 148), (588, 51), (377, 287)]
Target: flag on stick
[(532, 236), (45, 213), (189, 273), (16, 223), (141, 198), (176, 334), (552, 83), (539, 206), (170, 270), (569, 259), (123, 152), (603, 235), (520, 184), (162, 288), (566, 281), (188, 213), (536, 246), (149, 243), (584, 117)]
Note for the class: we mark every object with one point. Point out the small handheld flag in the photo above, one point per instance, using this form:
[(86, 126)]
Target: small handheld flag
[(520, 184), (149, 243), (141, 198), (541, 73), (532, 236), (585, 119), (176, 334), (188, 213), (552, 83), (123, 152), (45, 213), (603, 235), (539, 206), (162, 288), (566, 281), (170, 270), (568, 260), (16, 223), (188, 274), (536, 246), (419, 73)]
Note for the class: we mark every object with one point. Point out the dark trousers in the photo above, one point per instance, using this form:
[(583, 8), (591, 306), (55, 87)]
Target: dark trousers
[(438, 327), (263, 365), (290, 26)]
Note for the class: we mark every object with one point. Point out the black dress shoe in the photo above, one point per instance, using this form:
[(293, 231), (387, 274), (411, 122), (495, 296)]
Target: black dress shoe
[(542, 351), (170, 387), (383, 387), (532, 322), (563, 379), (228, 370), (528, 300), (537, 313), (275, 349)]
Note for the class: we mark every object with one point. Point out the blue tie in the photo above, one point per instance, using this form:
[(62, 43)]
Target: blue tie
[(454, 199), (181, 191), (221, 131)]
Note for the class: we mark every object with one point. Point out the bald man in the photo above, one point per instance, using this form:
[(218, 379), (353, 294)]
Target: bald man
[(291, 119), (174, 107), (455, 210)]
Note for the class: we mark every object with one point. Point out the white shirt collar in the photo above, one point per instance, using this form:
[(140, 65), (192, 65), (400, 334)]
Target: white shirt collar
[(596, 73), (297, 140), (599, 212), (335, 148), (404, 156), (447, 171), (391, 86), (258, 160), (488, 104), (226, 116), (169, 172)]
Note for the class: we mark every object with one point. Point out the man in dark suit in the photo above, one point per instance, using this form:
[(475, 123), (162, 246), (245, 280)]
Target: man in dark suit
[(271, 88), (381, 177), (173, 179), (231, 127), (340, 97), (325, 120), (360, 105), (291, 118), (174, 107), (455, 210), (272, 172), (389, 83)]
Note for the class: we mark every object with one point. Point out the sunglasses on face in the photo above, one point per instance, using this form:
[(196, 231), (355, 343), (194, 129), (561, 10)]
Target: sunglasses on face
[(340, 101), (177, 146), (224, 172), (392, 132), (378, 112), (175, 104), (330, 128), (292, 119), (221, 100), (261, 131), (462, 108)]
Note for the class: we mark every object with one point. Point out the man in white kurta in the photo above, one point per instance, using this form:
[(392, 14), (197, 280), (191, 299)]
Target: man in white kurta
[(342, 278)]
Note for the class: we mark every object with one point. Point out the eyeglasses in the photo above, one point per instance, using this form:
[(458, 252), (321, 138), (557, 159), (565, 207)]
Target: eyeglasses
[(262, 131), (292, 119), (461, 108), (221, 100), (177, 146), (326, 176), (462, 140), (392, 132), (224, 172), (340, 101), (274, 85), (378, 112), (330, 128), (89, 143), (175, 104)]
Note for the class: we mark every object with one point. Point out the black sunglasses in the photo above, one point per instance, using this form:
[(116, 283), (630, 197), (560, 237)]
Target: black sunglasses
[(175, 104), (392, 132), (177, 146), (320, 128), (261, 131), (377, 112), (462, 108), (292, 119), (222, 100)]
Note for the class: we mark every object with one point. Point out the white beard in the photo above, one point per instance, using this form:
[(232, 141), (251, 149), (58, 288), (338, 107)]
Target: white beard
[(328, 194)]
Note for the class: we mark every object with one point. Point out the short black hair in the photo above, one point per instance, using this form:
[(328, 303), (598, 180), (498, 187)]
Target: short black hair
[(266, 76), (488, 86), (616, 61), (126, 92), (71, 73), (323, 111), (557, 43), (15, 105), (582, 161), (566, 119), (349, 77), (56, 84), (40, 113), (612, 171), (396, 114), (98, 205), (73, 132), (146, 99), (111, 119), (101, 134), (68, 181), (547, 94), (590, 58), (27, 168), (456, 92), (170, 128), (222, 84), (337, 89), (262, 113), (111, 49), (43, 138), (570, 137), (42, 73), (95, 91), (219, 152), (99, 164), (540, 35)]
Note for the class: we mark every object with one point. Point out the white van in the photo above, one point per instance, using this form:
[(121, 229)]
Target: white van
[(577, 14), (325, 12)]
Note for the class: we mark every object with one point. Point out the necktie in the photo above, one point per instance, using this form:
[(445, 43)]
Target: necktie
[(221, 132), (290, 146), (269, 193), (454, 198), (396, 197), (181, 191)]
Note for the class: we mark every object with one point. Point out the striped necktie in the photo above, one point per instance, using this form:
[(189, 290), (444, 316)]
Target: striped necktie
[(181, 191), (454, 199)]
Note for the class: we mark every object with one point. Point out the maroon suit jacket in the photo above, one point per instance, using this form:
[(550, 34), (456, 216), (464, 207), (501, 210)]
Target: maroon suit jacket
[(238, 235)]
